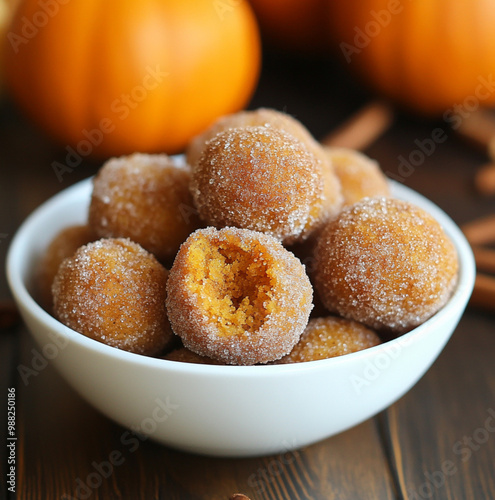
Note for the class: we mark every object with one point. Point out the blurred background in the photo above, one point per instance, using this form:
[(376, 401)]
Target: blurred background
[(96, 81), (108, 80)]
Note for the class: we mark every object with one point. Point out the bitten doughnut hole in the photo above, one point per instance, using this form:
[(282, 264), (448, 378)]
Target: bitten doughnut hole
[(238, 290), (238, 296)]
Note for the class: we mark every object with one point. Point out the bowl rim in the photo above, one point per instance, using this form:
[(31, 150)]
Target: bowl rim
[(456, 303)]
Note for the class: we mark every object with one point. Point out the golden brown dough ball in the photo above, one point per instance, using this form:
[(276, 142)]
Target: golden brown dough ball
[(271, 118), (65, 243), (264, 117), (359, 175), (114, 291), (262, 179), (333, 197), (145, 198), (385, 263), (330, 337), (238, 296), (185, 355)]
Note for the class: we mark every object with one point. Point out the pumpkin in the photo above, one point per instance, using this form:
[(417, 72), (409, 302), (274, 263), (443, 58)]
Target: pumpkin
[(4, 12), (111, 78), (6, 9), (431, 56)]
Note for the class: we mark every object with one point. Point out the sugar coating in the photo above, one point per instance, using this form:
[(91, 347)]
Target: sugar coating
[(385, 263), (238, 296), (262, 179), (114, 291), (360, 176), (63, 245), (329, 337), (145, 198)]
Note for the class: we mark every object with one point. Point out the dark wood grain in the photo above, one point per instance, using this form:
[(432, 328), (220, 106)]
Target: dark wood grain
[(8, 361)]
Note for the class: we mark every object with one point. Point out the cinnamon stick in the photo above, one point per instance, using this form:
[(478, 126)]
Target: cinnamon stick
[(363, 128), (483, 295), (478, 128), (480, 231), (484, 179), (485, 258)]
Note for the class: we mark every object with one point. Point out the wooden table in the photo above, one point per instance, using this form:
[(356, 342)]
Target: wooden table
[(437, 442)]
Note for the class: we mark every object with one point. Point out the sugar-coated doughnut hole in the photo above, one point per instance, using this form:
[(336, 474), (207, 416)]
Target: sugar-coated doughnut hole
[(360, 176), (238, 296), (385, 263), (333, 197), (265, 117), (145, 198), (114, 291), (272, 118), (63, 245), (329, 337), (187, 356), (262, 179)]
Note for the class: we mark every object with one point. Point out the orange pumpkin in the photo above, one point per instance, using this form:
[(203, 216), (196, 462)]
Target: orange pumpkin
[(429, 55), (111, 78), (6, 10)]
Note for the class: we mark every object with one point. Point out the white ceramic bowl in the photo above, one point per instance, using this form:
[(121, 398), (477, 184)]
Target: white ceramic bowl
[(228, 410)]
